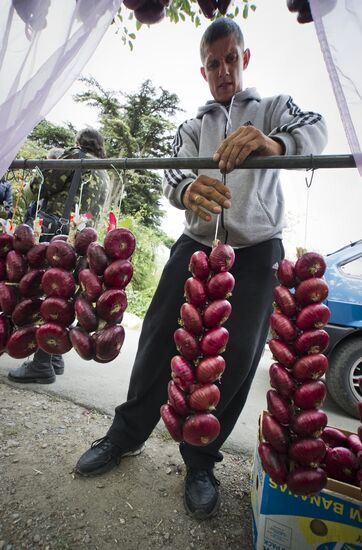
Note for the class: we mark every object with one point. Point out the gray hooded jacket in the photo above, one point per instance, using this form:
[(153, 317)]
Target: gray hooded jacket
[(257, 203)]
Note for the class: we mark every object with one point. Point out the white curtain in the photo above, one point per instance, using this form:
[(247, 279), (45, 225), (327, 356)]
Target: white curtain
[(44, 45), (339, 28)]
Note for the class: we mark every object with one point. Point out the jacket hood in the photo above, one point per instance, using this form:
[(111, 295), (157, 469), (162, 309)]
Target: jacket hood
[(240, 97)]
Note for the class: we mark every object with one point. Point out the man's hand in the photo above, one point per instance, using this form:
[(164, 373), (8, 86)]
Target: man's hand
[(206, 195), (241, 143)]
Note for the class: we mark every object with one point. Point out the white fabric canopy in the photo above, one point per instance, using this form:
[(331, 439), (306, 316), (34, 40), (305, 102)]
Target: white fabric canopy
[(44, 45), (339, 29)]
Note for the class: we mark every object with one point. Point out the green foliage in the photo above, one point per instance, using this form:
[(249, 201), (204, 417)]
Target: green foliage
[(178, 11), (47, 135)]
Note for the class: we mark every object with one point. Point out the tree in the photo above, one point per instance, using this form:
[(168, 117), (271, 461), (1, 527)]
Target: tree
[(139, 126), (47, 135)]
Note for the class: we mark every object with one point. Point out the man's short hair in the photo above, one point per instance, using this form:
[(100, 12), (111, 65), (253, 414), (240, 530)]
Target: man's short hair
[(220, 28)]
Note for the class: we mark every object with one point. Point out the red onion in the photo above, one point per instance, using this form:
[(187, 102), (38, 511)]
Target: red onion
[(2, 269), (312, 341), (285, 300), (53, 338), (4, 332), (273, 463), (275, 434), (182, 373), (177, 399), (8, 298), (90, 284), (309, 451), (281, 380), (214, 341), (282, 326), (334, 437), (278, 406), (307, 481), (310, 367), (172, 421), (359, 432), (191, 318), (36, 256), (310, 395), (57, 310), (195, 291), (311, 291), (313, 316), (22, 342), (186, 344), (30, 284), (201, 429), (220, 286), (354, 443), (221, 258), (6, 244), (199, 265), (16, 266), (283, 353), (311, 264), (210, 369), (204, 397), (286, 274), (216, 313), (119, 243), (118, 274), (341, 464), (309, 423)]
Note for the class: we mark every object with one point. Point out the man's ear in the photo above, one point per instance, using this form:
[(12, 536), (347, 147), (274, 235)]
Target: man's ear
[(202, 71), (246, 58)]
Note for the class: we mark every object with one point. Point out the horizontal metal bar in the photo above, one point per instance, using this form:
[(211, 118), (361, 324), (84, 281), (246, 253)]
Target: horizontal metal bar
[(291, 162)]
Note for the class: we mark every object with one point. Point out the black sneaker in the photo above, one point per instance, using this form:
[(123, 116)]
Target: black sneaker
[(102, 456), (202, 496)]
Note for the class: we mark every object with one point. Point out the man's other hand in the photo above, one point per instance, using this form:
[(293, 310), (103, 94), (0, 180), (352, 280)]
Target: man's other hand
[(205, 195)]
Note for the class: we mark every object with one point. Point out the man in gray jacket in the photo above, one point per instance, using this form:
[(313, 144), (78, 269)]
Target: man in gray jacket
[(235, 124)]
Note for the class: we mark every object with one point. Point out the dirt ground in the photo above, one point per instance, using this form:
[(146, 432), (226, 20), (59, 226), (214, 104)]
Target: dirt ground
[(137, 506)]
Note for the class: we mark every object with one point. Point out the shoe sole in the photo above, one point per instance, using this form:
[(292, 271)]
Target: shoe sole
[(110, 465), (58, 371), (31, 380), (201, 515)]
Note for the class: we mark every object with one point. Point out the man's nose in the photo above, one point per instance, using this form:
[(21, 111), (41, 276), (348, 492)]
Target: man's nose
[(224, 69)]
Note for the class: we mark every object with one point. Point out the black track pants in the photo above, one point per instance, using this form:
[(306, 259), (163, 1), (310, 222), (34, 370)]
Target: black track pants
[(247, 325)]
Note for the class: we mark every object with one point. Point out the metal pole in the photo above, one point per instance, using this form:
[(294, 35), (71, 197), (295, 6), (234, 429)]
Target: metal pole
[(291, 162)]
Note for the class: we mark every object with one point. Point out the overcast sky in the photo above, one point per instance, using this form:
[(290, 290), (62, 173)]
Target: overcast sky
[(285, 58)]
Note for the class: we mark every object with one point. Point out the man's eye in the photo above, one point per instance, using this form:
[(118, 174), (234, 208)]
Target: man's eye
[(213, 65), (231, 58)]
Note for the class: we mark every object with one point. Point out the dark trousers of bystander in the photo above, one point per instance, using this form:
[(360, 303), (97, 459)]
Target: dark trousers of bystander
[(248, 324)]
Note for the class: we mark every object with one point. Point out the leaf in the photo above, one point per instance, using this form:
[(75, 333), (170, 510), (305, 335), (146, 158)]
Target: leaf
[(138, 25), (132, 36), (245, 11), (130, 43), (253, 7)]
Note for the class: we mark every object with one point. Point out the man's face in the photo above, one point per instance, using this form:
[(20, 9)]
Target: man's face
[(223, 65)]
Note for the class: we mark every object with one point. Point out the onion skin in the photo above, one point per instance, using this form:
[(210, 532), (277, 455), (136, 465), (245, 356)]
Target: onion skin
[(275, 434), (216, 313), (278, 406), (308, 451), (82, 343), (310, 395), (341, 464), (22, 342), (333, 437), (204, 397), (172, 421), (312, 341), (220, 286), (311, 291), (15, 266), (214, 341), (281, 380), (119, 243), (273, 463), (285, 300), (177, 399), (310, 367), (195, 291), (307, 481), (186, 344), (282, 326), (53, 338), (221, 258), (283, 353), (182, 373), (313, 316), (199, 265), (286, 273), (311, 264), (201, 429), (191, 319), (309, 423), (210, 369)]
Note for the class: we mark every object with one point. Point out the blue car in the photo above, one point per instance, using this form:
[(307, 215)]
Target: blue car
[(344, 278)]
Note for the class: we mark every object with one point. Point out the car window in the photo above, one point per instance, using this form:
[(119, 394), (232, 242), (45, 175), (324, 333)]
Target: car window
[(353, 268)]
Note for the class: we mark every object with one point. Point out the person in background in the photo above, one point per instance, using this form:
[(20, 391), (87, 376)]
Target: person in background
[(43, 368), (236, 123), (6, 199)]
